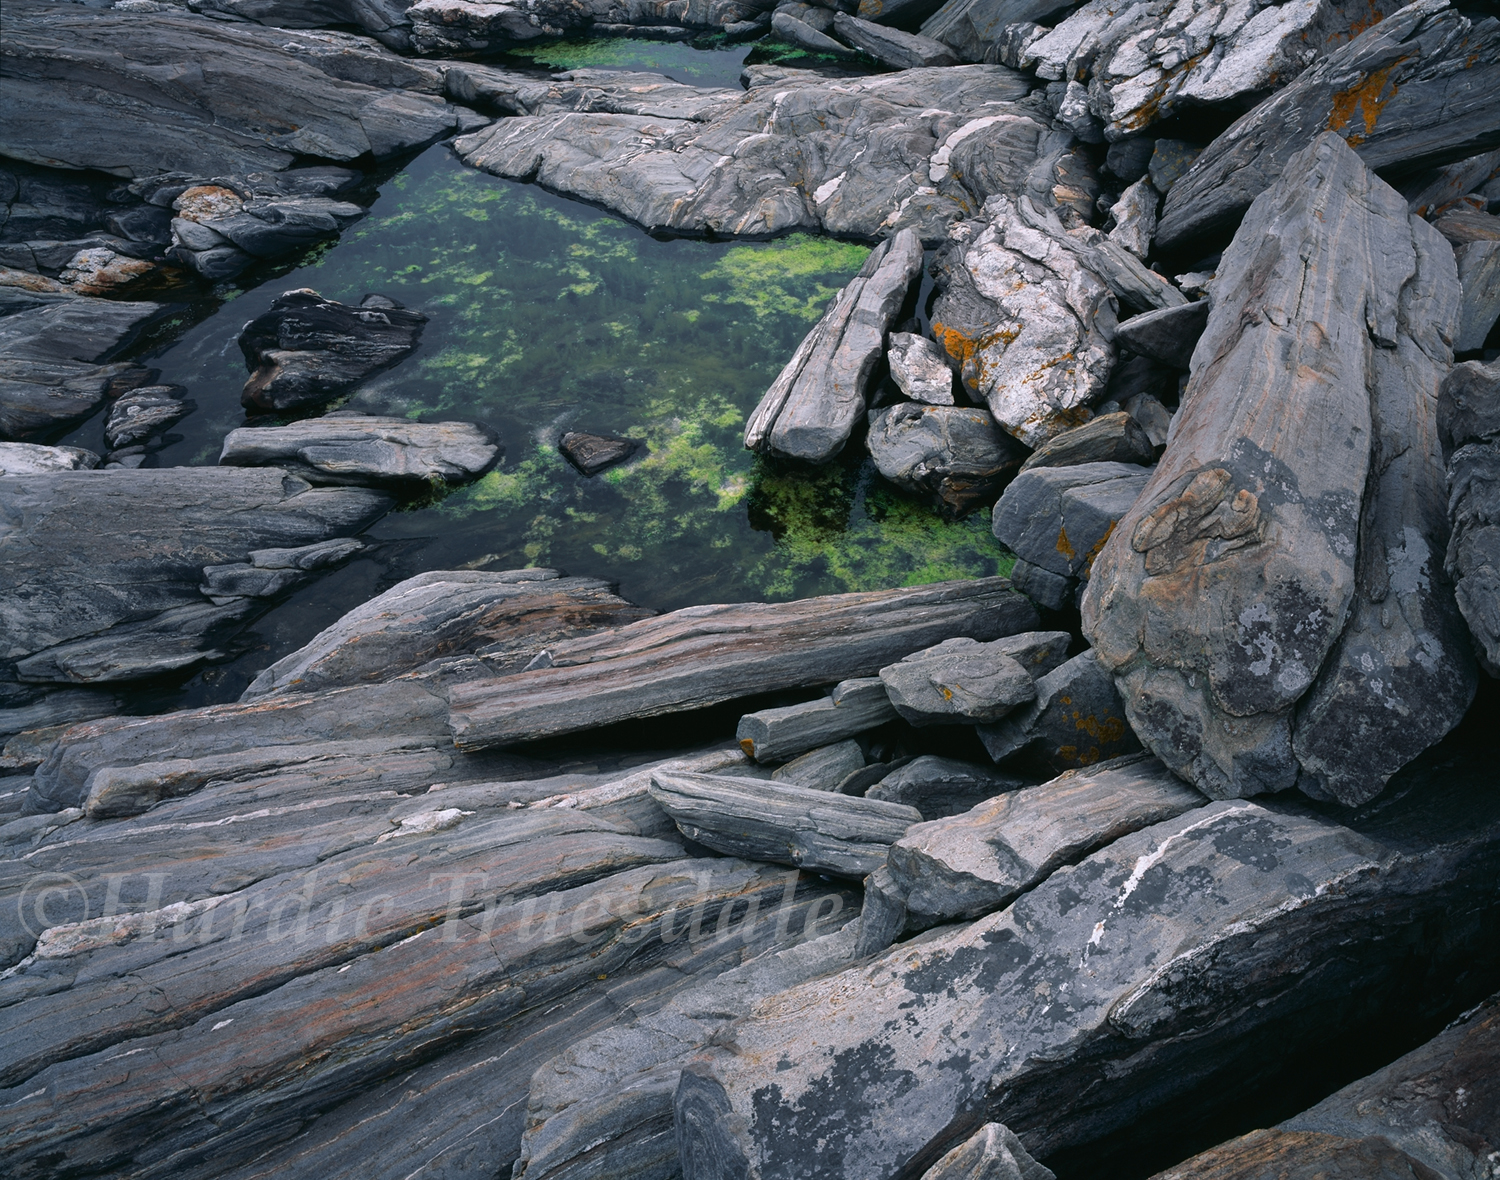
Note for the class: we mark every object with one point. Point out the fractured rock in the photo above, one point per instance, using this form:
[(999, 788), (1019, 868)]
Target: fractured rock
[(853, 707), (358, 449), (811, 408), (961, 681), (1469, 417), (1076, 720), (954, 454), (1168, 335), (822, 769), (939, 787), (1060, 518), (892, 47), (920, 369), (1479, 276), (992, 1153), (1275, 590), (1135, 218), (1109, 438)]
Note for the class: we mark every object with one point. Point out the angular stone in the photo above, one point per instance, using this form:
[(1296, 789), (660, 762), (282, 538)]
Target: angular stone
[(939, 787), (1479, 276), (1152, 417), (892, 47), (970, 25), (811, 408), (978, 861), (1168, 335), (954, 454), (957, 685), (1225, 591), (1043, 587), (788, 27), (1421, 86), (593, 453), (143, 412), (822, 769), (1135, 218), (1109, 438), (307, 350), (1076, 720), (854, 706), (991, 1153), (920, 369), (816, 830), (1469, 412), (1462, 224), (1061, 517), (359, 449), (29, 459)]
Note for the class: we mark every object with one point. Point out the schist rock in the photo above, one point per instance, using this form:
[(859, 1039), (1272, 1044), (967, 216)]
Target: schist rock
[(920, 369), (1077, 719), (811, 408), (1274, 603), (992, 1153), (1421, 86), (705, 655), (1109, 438), (1479, 276), (137, 93), (823, 769), (892, 47), (593, 453), (961, 681), (30, 459), (348, 448), (1059, 518), (854, 706), (821, 831), (1134, 216), (111, 563), (463, 622), (306, 350), (223, 226), (972, 26), (938, 787), (953, 454), (1469, 420), (144, 412), (1167, 334)]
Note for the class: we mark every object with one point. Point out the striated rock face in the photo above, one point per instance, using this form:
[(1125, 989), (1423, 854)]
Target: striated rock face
[(954, 454), (360, 449), (1469, 417), (1422, 86), (1282, 560)]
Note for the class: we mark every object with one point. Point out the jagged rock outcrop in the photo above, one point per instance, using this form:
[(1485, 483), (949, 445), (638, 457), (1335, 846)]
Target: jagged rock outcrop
[(1273, 602), (955, 455), (1421, 86), (349, 448), (1469, 421)]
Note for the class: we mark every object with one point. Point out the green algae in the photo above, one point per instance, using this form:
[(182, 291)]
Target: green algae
[(708, 61)]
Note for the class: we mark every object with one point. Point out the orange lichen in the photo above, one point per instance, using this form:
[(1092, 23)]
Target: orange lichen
[(1064, 546), (1088, 562), (1366, 100)]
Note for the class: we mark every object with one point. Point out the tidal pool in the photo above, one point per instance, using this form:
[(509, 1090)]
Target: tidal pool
[(547, 315)]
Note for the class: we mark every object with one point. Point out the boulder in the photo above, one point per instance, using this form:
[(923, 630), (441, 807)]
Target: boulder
[(1469, 416), (920, 369), (1060, 518), (144, 412), (823, 769), (939, 787), (1168, 335), (854, 706), (954, 455), (225, 225), (348, 448), (799, 32), (991, 1153), (1109, 438), (974, 863), (820, 831), (961, 681), (30, 459), (1152, 417), (1282, 559), (811, 408), (892, 47), (1043, 587), (1077, 719), (306, 350), (593, 453), (1479, 276), (1420, 87)]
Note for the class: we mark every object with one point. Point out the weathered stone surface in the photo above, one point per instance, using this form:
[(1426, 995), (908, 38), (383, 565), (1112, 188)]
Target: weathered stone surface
[(1479, 276), (144, 412), (822, 769), (1135, 985), (1152, 417), (1043, 587), (892, 47), (813, 405), (869, 158), (225, 225), (978, 861), (359, 449), (504, 620), (1257, 572), (1422, 86), (29, 459), (604, 91), (799, 32), (1109, 438), (1076, 720), (385, 20), (1028, 323), (854, 706), (952, 685), (136, 93), (817, 830), (939, 787), (920, 369), (593, 453), (1061, 517), (954, 454), (970, 26), (1135, 218), (992, 1153), (1168, 335), (51, 349), (1469, 418)]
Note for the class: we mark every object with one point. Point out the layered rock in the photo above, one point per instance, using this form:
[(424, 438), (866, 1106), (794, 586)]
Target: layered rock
[(772, 735), (940, 787), (1236, 603), (1469, 416), (1060, 517), (360, 449), (1109, 438), (961, 681), (920, 369), (1077, 719), (952, 454)]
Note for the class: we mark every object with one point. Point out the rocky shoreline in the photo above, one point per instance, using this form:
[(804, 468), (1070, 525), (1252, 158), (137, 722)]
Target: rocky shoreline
[(1176, 848)]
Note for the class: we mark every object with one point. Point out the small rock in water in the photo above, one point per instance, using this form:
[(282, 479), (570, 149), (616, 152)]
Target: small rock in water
[(920, 369), (593, 453), (142, 412)]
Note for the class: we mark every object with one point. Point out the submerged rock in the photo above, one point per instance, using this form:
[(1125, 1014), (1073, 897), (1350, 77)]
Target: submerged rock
[(953, 454), (346, 448), (144, 412), (593, 453)]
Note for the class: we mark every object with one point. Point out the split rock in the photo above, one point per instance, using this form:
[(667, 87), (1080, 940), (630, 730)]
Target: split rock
[(1168, 335), (853, 707), (920, 369), (1061, 517)]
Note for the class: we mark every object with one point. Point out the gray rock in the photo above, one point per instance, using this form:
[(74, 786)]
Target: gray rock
[(1469, 414), (957, 684), (1168, 335), (1393, 92), (954, 454), (920, 369), (939, 787), (1130, 159), (1170, 160), (811, 408), (358, 449), (30, 459), (1060, 518), (705, 655), (1247, 581), (307, 350), (506, 620), (112, 592), (1134, 215), (1468, 408), (385, 20), (135, 94), (1109, 438), (269, 572), (822, 769), (142, 413), (772, 735), (1463, 223), (593, 453), (1043, 587), (787, 26), (605, 91), (991, 1153), (1076, 720), (1152, 417), (818, 830), (974, 863), (223, 226), (1015, 301), (892, 47), (1479, 276), (1449, 183), (969, 26)]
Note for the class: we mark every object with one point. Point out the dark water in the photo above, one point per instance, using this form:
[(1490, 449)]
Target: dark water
[(700, 63)]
